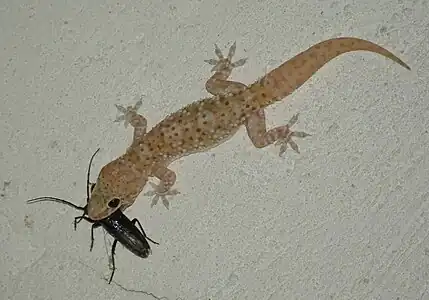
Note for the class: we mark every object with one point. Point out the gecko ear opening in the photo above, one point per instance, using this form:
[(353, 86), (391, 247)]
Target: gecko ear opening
[(114, 203)]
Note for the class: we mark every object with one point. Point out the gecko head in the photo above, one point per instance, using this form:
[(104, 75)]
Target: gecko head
[(117, 187)]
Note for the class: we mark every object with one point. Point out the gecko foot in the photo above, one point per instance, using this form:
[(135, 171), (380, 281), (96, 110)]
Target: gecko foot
[(287, 139), (224, 63), (159, 191), (128, 113)]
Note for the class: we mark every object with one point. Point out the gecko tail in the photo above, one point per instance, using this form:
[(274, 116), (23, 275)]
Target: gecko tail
[(289, 76)]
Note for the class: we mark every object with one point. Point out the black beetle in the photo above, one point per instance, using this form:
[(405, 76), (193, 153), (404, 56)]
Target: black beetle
[(118, 225)]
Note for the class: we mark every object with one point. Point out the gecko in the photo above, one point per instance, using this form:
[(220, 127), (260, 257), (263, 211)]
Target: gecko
[(208, 122)]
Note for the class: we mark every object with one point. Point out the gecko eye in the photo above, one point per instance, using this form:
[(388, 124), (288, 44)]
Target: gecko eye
[(113, 203)]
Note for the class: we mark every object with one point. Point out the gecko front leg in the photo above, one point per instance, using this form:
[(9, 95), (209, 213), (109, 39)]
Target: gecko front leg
[(167, 179), (129, 115)]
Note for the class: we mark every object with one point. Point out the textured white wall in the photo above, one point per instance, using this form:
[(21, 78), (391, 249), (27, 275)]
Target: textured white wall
[(345, 219)]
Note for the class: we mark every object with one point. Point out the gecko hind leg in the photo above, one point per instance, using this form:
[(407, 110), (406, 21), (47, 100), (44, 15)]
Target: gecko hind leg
[(129, 115), (218, 84), (281, 135)]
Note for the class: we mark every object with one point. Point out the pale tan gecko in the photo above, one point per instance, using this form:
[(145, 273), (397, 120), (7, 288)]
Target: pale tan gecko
[(206, 123)]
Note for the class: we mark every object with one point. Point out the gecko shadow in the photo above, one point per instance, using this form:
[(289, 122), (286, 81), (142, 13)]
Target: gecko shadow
[(118, 225)]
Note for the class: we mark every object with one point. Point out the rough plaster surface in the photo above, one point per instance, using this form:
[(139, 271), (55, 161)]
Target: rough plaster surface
[(345, 219)]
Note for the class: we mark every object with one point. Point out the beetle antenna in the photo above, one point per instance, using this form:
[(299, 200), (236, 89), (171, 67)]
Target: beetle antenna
[(89, 184), (53, 199)]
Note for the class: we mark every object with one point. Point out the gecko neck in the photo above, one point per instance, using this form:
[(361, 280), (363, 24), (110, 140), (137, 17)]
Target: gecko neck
[(143, 158)]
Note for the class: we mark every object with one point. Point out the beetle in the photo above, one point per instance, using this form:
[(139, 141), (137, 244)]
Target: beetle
[(118, 225)]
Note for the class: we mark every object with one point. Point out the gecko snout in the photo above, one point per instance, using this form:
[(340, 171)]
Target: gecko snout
[(100, 207)]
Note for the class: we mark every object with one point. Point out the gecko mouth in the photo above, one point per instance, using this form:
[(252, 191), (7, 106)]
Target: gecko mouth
[(98, 214)]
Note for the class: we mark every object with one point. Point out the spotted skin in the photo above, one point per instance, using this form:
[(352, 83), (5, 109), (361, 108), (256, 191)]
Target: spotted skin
[(206, 123)]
